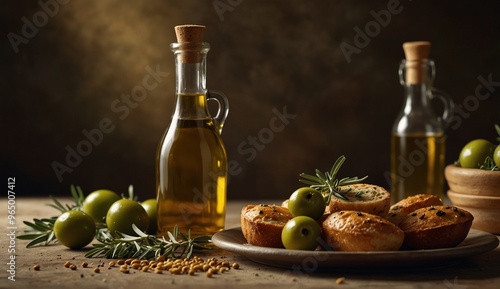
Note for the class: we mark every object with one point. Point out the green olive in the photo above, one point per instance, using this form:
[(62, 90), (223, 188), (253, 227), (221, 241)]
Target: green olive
[(74, 229), (496, 156), (150, 206), (307, 202), (97, 204), (301, 233), (474, 153), (125, 212)]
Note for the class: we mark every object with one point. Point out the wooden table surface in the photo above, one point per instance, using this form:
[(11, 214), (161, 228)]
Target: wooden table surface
[(481, 271)]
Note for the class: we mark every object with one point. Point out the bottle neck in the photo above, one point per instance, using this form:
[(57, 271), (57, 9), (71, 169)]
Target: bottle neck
[(190, 77), (417, 77), (417, 115), (190, 70), (416, 98)]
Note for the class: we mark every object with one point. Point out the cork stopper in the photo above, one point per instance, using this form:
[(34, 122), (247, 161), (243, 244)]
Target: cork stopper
[(189, 33), (416, 68), (191, 37)]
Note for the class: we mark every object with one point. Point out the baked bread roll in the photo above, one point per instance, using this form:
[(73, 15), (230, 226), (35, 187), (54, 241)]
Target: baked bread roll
[(364, 198), (360, 231), (262, 224), (436, 227), (402, 208)]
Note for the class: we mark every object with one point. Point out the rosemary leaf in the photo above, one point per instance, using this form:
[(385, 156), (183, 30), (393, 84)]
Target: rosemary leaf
[(41, 238), (320, 175), (310, 178), (29, 236), (138, 231)]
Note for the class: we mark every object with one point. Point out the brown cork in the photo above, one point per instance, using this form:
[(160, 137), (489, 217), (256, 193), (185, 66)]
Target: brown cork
[(189, 33), (416, 54), (191, 36)]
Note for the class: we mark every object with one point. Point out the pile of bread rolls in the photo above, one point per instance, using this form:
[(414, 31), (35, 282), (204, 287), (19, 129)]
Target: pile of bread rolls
[(367, 222)]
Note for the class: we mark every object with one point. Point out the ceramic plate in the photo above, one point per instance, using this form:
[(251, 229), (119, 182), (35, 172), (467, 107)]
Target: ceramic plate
[(477, 242)]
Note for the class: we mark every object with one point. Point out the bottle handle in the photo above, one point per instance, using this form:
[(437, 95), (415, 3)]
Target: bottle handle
[(448, 103), (222, 112)]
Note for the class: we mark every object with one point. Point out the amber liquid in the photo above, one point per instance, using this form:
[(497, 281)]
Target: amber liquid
[(417, 165), (191, 179)]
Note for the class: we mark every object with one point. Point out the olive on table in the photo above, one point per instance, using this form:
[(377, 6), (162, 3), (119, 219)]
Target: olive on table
[(125, 212), (74, 229), (150, 205), (97, 204)]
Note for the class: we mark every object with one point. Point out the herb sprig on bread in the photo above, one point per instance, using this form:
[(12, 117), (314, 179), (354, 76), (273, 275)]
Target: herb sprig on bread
[(328, 183)]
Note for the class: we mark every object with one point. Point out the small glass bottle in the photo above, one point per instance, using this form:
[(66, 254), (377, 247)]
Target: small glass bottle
[(418, 137), (191, 163)]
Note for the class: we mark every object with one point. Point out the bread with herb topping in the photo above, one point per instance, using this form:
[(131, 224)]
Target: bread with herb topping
[(399, 210), (362, 197), (262, 224), (361, 231), (436, 227)]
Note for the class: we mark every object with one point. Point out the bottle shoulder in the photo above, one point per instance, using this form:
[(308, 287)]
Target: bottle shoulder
[(411, 123), (195, 133)]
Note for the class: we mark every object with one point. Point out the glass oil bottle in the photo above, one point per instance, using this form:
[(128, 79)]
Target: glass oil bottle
[(191, 163), (418, 137)]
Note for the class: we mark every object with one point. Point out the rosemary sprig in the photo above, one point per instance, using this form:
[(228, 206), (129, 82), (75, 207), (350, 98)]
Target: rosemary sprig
[(327, 182), (489, 165), (77, 196), (144, 246), (40, 231)]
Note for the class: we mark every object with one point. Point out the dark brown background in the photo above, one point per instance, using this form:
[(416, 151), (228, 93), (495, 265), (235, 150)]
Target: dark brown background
[(265, 55)]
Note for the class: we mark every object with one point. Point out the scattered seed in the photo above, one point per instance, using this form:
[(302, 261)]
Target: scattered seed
[(340, 280), (212, 271), (175, 270), (124, 269), (36, 267), (211, 266)]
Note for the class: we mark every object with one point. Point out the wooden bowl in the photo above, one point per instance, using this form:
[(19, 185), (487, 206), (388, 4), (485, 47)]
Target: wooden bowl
[(485, 209), (473, 181)]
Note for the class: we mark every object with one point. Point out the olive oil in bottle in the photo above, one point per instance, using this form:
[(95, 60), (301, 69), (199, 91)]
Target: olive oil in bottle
[(417, 163), (191, 159), (418, 139)]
